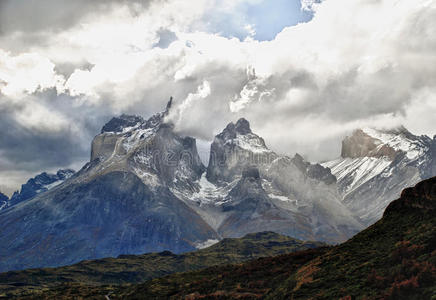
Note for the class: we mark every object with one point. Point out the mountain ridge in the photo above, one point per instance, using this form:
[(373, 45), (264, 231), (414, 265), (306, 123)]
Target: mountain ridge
[(178, 204), (375, 165), (37, 185)]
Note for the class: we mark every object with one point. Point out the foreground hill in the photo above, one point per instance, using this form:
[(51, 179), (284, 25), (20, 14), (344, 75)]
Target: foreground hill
[(139, 268), (393, 259)]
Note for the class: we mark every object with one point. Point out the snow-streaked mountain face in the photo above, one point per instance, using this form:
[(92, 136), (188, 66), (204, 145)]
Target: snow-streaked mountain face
[(37, 185), (118, 203), (375, 165), (249, 188), (146, 189), (235, 148)]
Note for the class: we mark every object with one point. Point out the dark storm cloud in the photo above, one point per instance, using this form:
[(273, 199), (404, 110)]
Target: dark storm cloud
[(54, 15), (24, 149), (36, 149)]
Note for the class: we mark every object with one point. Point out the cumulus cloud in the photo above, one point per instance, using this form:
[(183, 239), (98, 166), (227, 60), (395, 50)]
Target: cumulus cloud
[(27, 73), (356, 63)]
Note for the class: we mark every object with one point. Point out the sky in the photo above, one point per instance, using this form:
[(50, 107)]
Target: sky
[(304, 73)]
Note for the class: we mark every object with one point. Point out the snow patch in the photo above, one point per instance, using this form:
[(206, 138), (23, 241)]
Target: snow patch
[(209, 192), (206, 244), (282, 198), (357, 170), (249, 142), (133, 140)]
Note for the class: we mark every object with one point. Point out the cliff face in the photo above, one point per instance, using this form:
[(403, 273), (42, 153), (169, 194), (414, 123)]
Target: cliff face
[(360, 144)]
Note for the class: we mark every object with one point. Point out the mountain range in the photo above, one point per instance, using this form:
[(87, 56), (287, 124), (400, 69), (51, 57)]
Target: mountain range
[(146, 189)]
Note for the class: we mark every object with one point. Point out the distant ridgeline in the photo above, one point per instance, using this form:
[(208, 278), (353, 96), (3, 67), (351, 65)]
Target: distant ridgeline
[(139, 268), (34, 186)]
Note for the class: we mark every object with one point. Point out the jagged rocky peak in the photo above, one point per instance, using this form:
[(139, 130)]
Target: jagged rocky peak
[(169, 104), (234, 149), (39, 184), (232, 130), (242, 126), (106, 143), (3, 197), (151, 149), (314, 171), (118, 124), (124, 122)]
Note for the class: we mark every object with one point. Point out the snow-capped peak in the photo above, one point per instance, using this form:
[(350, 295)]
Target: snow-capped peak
[(240, 135), (376, 164), (399, 139), (371, 142)]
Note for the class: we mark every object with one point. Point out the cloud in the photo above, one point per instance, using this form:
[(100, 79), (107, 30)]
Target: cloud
[(177, 115), (55, 15), (27, 73), (356, 63)]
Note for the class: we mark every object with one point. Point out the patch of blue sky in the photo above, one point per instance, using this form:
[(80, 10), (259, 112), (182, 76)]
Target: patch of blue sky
[(262, 20)]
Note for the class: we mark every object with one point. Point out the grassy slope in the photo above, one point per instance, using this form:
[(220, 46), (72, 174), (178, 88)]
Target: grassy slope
[(393, 259), (139, 268)]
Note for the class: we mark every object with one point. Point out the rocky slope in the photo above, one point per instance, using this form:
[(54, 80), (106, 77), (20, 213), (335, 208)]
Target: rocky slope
[(139, 268), (375, 165)]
